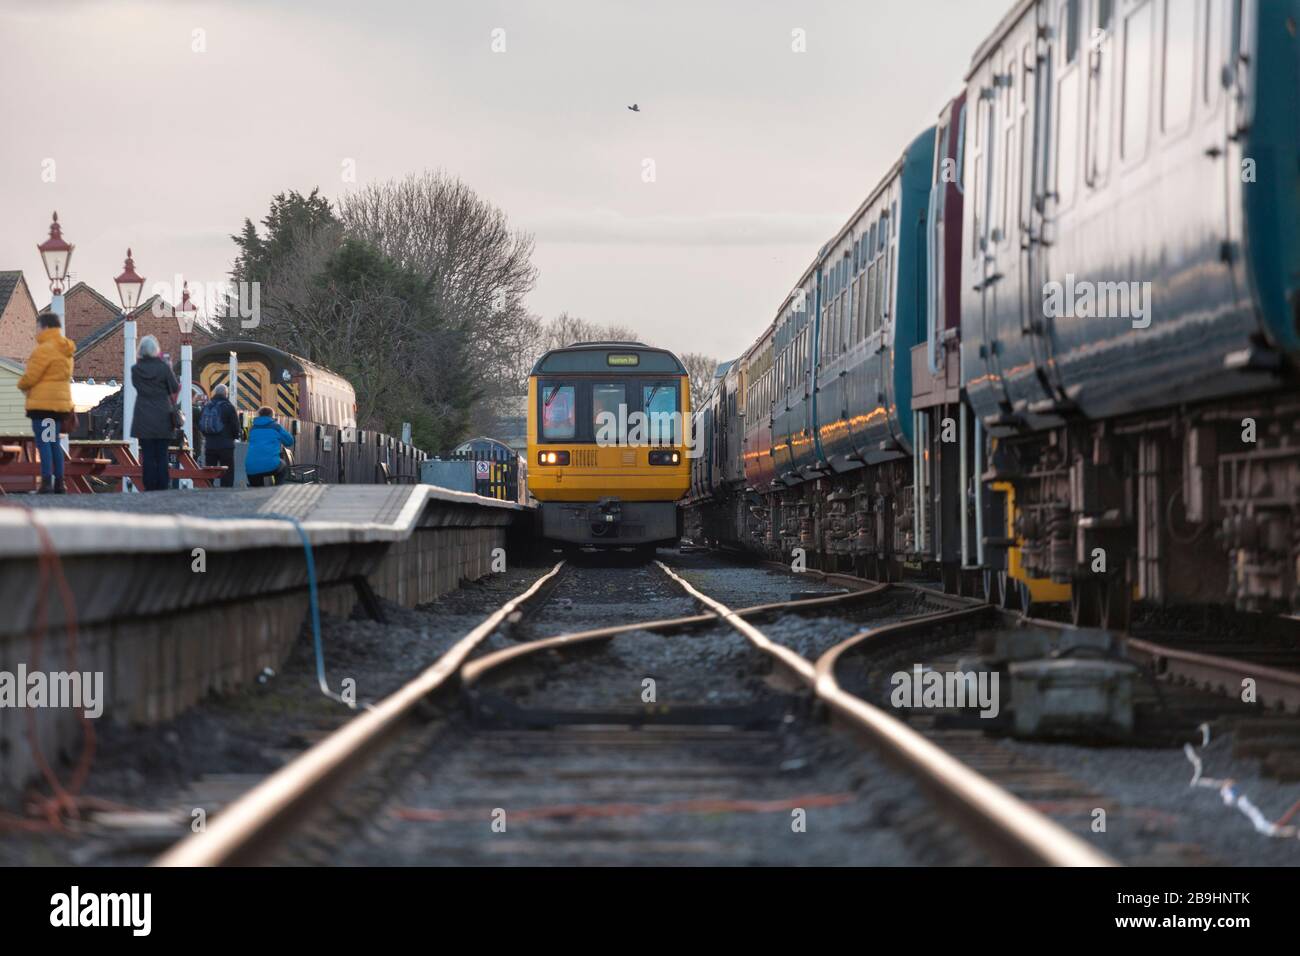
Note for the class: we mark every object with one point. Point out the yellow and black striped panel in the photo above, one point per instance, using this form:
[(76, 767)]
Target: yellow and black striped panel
[(286, 399), (253, 378)]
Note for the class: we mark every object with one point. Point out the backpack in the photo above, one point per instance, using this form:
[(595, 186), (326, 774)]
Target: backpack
[(211, 421)]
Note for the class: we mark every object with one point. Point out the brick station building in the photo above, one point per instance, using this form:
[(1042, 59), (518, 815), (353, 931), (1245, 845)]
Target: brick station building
[(17, 318), (95, 323)]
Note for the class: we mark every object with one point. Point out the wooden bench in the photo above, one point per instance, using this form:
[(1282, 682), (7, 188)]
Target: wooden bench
[(105, 461)]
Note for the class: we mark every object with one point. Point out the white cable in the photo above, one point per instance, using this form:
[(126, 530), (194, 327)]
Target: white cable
[(1229, 795)]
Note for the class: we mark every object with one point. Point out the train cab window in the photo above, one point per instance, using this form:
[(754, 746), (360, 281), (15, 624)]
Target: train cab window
[(1137, 81), (559, 413), (605, 402), (1180, 64), (659, 402)]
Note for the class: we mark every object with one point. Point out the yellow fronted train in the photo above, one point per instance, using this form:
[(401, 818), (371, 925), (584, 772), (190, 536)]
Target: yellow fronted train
[(608, 424)]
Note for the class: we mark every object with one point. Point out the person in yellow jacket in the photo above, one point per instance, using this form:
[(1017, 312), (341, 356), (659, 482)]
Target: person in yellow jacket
[(47, 383)]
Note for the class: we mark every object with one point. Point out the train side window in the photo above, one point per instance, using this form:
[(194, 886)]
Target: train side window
[(940, 152), (1180, 64), (1008, 158), (559, 413), (877, 295), (1137, 81), (886, 300), (979, 148), (1067, 109), (863, 307), (961, 149), (841, 306), (882, 289), (1026, 139), (870, 305), (1070, 27), (847, 319), (858, 285), (1212, 80), (605, 402), (1101, 73)]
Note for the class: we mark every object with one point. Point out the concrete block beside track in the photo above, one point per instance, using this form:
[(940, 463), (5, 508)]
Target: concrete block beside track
[(165, 636)]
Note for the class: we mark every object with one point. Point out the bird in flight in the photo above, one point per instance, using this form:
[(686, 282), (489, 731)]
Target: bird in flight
[(635, 108)]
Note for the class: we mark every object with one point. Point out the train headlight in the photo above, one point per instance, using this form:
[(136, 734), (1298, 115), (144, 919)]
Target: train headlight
[(552, 458), (665, 457)]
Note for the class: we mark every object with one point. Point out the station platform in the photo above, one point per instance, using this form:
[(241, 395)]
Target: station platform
[(179, 594)]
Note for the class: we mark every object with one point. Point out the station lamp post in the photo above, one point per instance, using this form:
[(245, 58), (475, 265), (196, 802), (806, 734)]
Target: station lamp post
[(129, 286), (186, 313), (56, 253)]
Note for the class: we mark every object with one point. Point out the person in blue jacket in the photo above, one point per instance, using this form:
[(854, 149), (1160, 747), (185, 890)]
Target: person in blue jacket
[(265, 436)]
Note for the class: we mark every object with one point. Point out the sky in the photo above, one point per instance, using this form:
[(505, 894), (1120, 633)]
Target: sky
[(163, 124)]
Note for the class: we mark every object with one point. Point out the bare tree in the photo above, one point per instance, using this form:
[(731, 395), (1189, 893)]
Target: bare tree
[(437, 226), (700, 368), (566, 329)]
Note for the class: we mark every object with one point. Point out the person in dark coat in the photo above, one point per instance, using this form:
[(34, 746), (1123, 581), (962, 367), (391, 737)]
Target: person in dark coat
[(156, 389), (219, 444), (265, 438)]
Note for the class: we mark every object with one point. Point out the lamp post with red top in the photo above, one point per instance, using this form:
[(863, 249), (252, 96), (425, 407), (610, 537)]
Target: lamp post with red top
[(129, 286), (56, 253)]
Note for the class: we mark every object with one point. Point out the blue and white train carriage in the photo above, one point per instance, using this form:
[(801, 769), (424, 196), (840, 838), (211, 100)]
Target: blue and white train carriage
[(1115, 337)]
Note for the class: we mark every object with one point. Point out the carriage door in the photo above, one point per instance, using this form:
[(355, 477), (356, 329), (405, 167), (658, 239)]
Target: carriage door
[(720, 421), (980, 201), (1232, 58), (1055, 129)]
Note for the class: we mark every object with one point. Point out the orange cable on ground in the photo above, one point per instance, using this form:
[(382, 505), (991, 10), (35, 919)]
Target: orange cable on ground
[(65, 801), (1286, 817)]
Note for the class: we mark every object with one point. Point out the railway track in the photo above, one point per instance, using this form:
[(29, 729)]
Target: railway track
[(739, 745), (1192, 693)]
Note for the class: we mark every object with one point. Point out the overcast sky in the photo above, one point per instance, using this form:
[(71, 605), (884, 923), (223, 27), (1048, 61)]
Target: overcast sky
[(759, 152)]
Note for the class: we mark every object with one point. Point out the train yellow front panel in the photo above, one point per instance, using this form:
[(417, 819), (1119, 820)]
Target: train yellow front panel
[(595, 471)]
